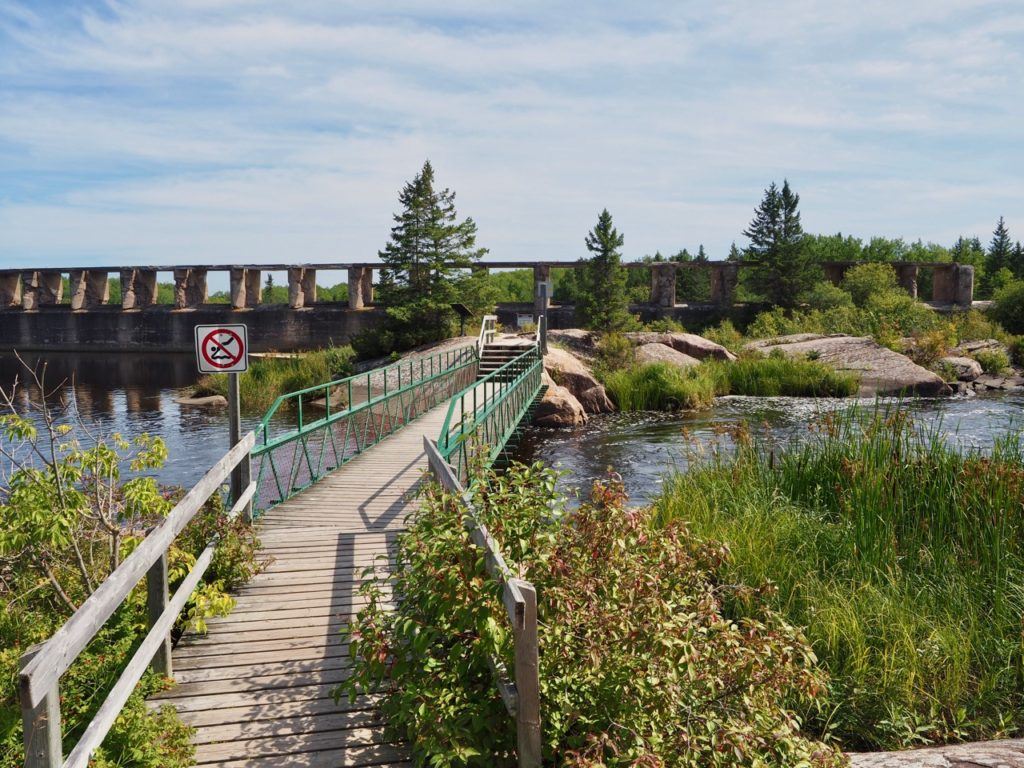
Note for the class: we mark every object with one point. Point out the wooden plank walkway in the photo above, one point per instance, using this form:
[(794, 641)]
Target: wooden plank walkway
[(257, 688)]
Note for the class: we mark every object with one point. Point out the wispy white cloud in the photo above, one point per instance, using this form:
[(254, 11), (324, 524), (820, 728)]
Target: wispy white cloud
[(146, 130)]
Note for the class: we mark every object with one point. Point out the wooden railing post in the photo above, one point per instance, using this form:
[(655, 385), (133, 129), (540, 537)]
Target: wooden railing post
[(158, 594), (527, 679), (41, 724)]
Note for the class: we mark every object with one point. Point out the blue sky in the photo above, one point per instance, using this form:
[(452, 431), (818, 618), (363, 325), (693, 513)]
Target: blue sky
[(222, 131)]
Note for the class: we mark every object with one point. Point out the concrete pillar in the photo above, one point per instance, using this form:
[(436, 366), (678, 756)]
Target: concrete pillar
[(89, 289), (10, 289), (245, 288), (663, 284), (906, 274), (943, 283), (368, 285), (41, 289), (356, 278), (963, 289), (724, 277), (541, 298), (301, 287), (834, 272), (189, 288), (253, 287), (138, 288)]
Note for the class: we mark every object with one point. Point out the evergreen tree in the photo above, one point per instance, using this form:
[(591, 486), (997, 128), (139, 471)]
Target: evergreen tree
[(1000, 250), (734, 253), (603, 303), (425, 262), (786, 267), (1017, 263)]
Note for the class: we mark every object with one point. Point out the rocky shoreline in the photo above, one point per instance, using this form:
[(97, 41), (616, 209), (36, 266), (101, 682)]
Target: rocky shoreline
[(574, 392)]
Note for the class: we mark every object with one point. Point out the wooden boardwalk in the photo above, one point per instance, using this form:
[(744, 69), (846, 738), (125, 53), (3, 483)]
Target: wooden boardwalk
[(257, 688)]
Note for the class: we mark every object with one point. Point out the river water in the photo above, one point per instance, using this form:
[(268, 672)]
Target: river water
[(133, 394), (644, 448)]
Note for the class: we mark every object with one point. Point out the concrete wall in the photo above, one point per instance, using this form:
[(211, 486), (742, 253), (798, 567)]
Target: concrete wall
[(162, 329)]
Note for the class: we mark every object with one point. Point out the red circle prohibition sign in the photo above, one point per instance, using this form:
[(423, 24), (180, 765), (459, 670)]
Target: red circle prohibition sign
[(216, 352)]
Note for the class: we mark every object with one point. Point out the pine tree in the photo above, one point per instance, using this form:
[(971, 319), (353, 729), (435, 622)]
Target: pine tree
[(786, 267), (1017, 263), (1000, 250), (734, 253), (603, 302), (425, 261)]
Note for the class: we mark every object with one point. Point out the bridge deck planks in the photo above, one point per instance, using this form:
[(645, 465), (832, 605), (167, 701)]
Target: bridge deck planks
[(257, 687)]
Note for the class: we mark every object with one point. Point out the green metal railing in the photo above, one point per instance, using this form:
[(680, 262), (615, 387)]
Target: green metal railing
[(483, 417), (349, 415)]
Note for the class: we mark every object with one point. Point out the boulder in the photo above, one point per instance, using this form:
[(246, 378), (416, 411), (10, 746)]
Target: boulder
[(687, 343), (558, 407), (207, 401), (967, 369), (568, 371), (1004, 753), (882, 371), (971, 348), (662, 353), (1013, 383), (582, 343)]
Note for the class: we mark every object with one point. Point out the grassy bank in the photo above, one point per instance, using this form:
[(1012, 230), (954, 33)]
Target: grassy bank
[(902, 558), (664, 387), (267, 378)]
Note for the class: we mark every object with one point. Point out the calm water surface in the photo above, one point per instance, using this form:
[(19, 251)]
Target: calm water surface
[(644, 448), (134, 394)]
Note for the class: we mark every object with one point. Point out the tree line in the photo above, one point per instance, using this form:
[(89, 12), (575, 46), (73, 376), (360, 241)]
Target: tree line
[(427, 264)]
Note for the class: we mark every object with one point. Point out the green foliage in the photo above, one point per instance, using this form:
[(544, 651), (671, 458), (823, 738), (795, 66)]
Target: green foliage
[(425, 262), (825, 295), (614, 351), (661, 387), (777, 375), (638, 664), (1008, 307), (866, 281), (901, 555), (68, 517), (725, 333), (992, 360), (270, 377), (603, 302), (1017, 350), (665, 325), (786, 266)]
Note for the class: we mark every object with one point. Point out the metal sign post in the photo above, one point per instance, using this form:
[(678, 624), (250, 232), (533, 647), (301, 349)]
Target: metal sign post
[(225, 349)]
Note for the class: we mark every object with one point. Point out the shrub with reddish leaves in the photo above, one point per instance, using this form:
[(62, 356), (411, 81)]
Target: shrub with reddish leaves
[(639, 665)]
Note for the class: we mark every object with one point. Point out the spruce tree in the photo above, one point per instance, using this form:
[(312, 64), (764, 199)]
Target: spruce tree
[(603, 301), (425, 261), (1000, 250), (1017, 263), (786, 267)]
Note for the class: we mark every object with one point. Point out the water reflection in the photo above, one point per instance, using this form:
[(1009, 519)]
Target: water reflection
[(131, 394)]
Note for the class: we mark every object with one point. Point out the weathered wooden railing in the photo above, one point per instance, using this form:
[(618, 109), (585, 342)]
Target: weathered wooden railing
[(482, 417), (521, 693), (43, 665), (488, 330), (352, 414)]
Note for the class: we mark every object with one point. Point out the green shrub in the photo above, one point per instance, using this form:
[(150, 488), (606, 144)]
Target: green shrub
[(1017, 350), (270, 377), (1008, 307), (725, 333), (867, 280), (614, 352), (825, 295), (638, 664), (930, 347), (67, 519), (992, 360), (661, 387), (901, 555), (665, 325), (776, 376), (974, 325)]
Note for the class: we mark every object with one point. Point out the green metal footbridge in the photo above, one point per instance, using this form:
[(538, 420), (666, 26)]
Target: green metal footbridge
[(335, 466)]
